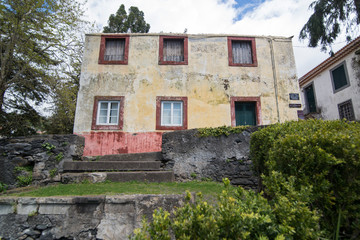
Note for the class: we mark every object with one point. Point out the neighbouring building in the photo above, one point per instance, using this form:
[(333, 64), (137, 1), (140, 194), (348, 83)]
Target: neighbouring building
[(332, 89), (133, 87)]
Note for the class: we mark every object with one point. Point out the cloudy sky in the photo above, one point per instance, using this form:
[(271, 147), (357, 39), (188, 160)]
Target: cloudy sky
[(257, 17)]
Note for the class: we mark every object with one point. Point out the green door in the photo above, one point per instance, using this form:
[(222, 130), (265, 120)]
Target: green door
[(245, 113), (310, 98)]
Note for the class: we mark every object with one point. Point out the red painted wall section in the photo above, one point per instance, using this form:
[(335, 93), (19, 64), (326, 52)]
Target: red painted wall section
[(106, 143)]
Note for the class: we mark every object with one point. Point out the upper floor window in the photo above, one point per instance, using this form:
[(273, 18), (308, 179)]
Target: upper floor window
[(173, 50), (114, 49), (242, 52), (108, 113), (339, 77)]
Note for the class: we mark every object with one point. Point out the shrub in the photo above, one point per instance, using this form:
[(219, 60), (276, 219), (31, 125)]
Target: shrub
[(3, 187), (321, 161), (218, 131), (238, 214), (24, 180)]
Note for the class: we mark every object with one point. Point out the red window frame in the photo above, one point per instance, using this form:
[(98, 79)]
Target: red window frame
[(253, 51), (159, 99), (119, 126), (161, 50), (245, 99), (102, 49)]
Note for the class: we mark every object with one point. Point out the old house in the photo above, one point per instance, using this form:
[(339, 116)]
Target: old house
[(332, 89), (134, 87)]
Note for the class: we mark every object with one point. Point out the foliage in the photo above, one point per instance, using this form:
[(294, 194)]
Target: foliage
[(121, 22), (66, 87), (218, 131), (23, 168), (24, 180), (317, 160), (53, 172), (35, 37), (49, 147), (3, 187), (59, 157), (238, 214), (329, 17)]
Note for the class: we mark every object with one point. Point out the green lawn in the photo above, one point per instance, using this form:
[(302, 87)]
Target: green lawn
[(112, 188)]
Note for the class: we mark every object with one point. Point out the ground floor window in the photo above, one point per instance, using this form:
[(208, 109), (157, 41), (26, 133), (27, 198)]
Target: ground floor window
[(346, 110), (310, 99), (108, 113), (245, 111), (171, 113)]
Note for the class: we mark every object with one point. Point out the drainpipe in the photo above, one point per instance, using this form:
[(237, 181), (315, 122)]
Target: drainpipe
[(274, 77)]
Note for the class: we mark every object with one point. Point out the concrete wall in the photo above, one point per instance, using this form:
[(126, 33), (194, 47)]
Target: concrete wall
[(207, 81), (326, 100), (83, 218)]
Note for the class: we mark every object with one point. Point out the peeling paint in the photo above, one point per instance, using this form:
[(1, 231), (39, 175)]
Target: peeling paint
[(207, 81)]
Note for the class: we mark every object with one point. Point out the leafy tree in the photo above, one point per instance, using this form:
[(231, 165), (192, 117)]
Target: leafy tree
[(329, 17), (122, 23), (66, 87), (34, 38)]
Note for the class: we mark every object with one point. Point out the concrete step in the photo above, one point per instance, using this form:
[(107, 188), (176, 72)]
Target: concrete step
[(151, 176), (82, 166), (149, 156)]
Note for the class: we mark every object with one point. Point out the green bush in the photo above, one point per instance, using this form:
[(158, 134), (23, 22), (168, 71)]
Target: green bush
[(24, 180), (3, 187), (238, 214), (218, 131), (321, 161)]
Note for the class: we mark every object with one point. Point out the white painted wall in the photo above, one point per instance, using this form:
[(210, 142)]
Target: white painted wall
[(326, 100)]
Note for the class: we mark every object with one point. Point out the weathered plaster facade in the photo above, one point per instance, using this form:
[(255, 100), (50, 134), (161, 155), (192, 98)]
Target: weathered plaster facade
[(207, 81), (327, 98)]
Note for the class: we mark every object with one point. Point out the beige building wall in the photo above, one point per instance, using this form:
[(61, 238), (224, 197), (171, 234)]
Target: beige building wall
[(207, 81)]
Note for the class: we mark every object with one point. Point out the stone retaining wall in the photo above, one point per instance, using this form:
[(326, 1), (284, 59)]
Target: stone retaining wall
[(94, 217), (193, 157), (42, 156)]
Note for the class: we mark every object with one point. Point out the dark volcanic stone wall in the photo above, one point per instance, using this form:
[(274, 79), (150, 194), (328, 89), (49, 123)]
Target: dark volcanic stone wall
[(43, 154), (193, 157)]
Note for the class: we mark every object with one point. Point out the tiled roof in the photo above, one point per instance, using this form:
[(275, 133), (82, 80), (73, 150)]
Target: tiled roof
[(329, 61)]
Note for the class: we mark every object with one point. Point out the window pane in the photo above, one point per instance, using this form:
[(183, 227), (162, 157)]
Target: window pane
[(241, 51), (113, 119), (173, 50), (103, 105), (339, 77), (166, 105), (103, 113), (102, 120), (166, 117), (114, 50), (114, 105)]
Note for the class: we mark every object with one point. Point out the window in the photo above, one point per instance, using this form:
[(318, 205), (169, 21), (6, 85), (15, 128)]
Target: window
[(310, 99), (339, 77), (346, 110), (114, 49), (171, 113), (173, 50), (242, 52), (245, 111), (108, 113)]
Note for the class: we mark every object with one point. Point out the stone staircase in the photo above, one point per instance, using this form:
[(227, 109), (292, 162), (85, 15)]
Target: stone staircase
[(118, 168)]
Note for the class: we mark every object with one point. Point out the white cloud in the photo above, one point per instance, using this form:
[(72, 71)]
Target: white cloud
[(273, 17)]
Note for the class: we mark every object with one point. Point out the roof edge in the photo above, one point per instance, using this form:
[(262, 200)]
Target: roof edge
[(347, 49)]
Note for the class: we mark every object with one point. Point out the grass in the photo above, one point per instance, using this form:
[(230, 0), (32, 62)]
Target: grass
[(210, 189)]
